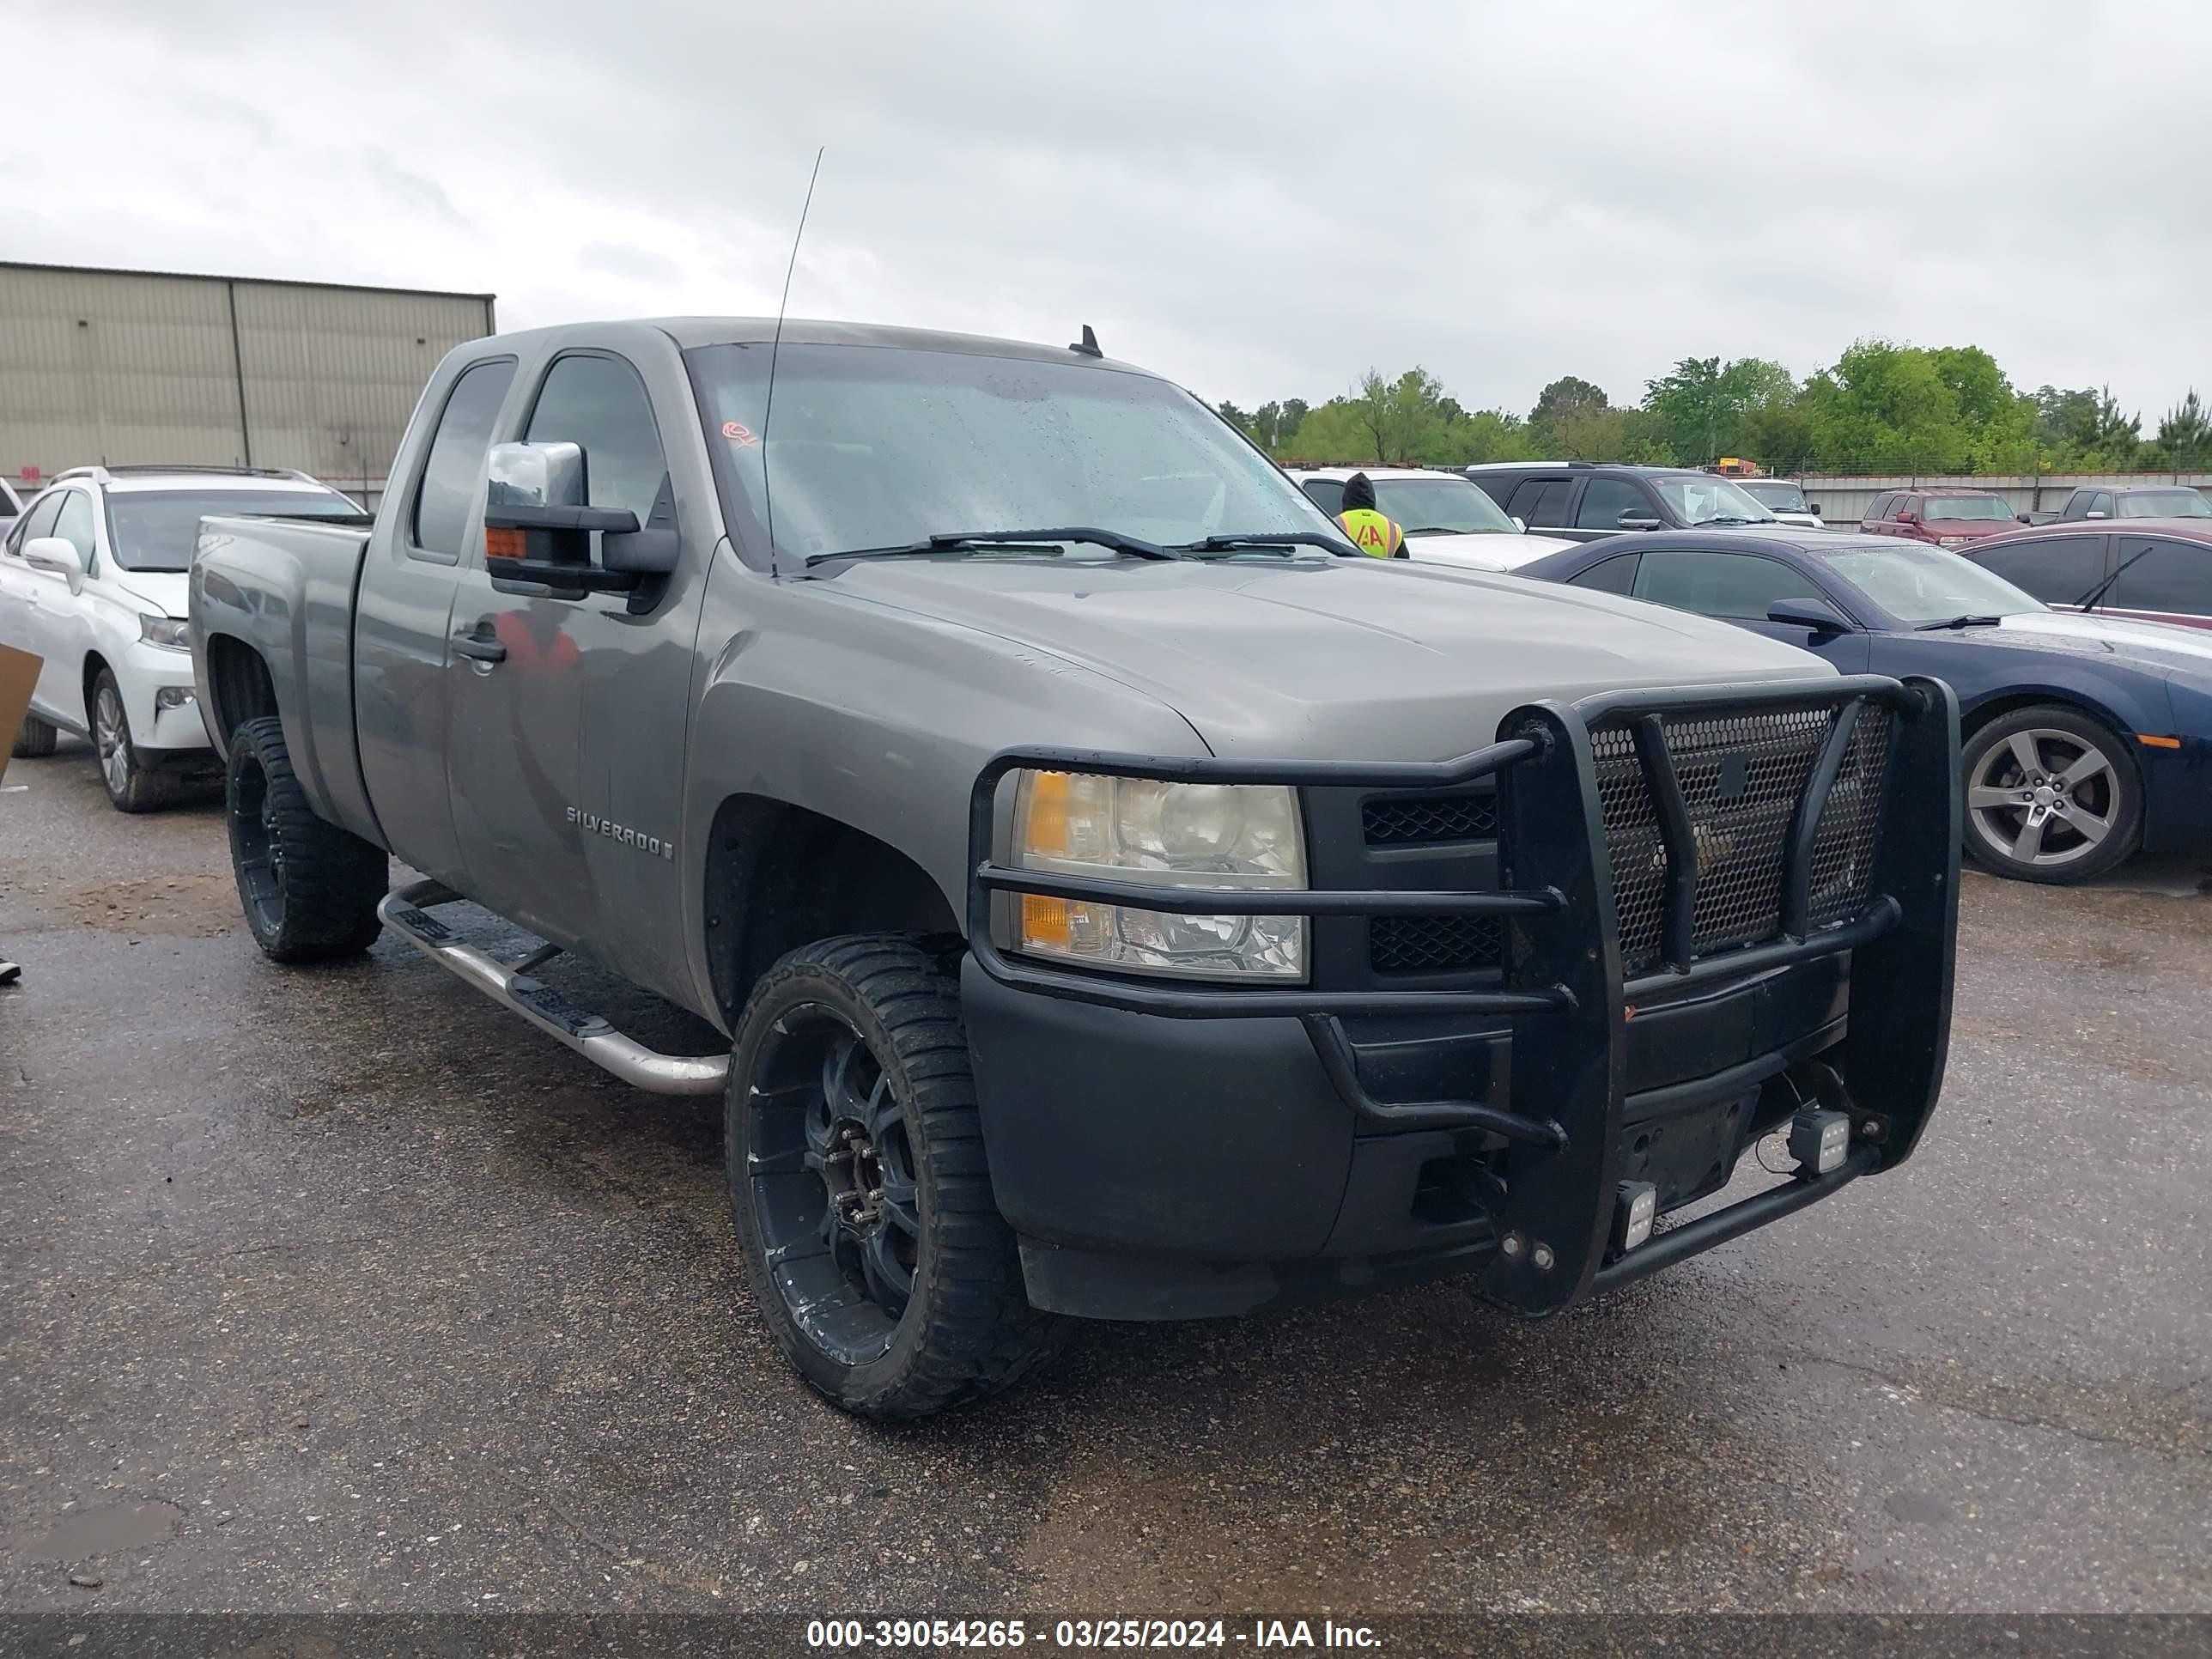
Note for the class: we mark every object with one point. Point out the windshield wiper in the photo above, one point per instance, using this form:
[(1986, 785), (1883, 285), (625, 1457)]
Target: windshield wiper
[(2089, 600), (1023, 541), (1959, 622), (1286, 539), (1447, 530), (1769, 519)]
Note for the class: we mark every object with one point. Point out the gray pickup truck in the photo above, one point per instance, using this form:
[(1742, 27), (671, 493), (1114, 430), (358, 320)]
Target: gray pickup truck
[(1119, 901)]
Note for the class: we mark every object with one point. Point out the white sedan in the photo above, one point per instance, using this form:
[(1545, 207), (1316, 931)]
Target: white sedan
[(92, 581), (1447, 518)]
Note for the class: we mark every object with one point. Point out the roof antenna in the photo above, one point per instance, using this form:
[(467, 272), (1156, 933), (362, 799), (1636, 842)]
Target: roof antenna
[(776, 350), (1088, 345)]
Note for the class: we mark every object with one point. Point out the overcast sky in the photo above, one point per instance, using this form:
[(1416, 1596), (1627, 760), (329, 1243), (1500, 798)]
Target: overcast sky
[(1260, 200)]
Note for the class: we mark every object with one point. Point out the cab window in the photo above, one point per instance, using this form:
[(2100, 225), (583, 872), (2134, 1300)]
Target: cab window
[(1326, 494), (2057, 569), (599, 403), (1614, 575), (1739, 586), (72, 524), (39, 521), (2162, 575), (1606, 500), (456, 462), (1541, 501)]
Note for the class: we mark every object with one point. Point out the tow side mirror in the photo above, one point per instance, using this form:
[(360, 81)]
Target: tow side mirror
[(1816, 614), (57, 557), (538, 527)]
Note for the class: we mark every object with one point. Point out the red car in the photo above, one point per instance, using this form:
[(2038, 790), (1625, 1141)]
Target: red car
[(1948, 518), (2150, 570)]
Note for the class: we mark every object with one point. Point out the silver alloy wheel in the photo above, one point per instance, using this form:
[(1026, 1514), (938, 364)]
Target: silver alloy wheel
[(111, 738), (2044, 797)]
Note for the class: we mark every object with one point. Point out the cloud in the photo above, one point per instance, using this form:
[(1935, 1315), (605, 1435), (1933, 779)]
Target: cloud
[(1259, 200)]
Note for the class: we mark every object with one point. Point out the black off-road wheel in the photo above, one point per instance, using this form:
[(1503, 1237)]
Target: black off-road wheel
[(310, 890), (857, 1180), (35, 738)]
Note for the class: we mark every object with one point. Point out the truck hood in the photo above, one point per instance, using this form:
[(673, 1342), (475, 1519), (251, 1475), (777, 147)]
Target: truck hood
[(165, 591), (1350, 659)]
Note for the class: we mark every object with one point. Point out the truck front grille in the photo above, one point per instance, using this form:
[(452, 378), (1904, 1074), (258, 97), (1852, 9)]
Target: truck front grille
[(1434, 945), (1415, 820), (1742, 776)]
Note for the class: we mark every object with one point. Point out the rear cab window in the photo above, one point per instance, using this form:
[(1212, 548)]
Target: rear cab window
[(1614, 575), (439, 518)]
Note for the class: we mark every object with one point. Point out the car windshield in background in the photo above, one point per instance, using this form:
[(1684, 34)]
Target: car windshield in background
[(1974, 508), (2165, 504), (876, 446), (1775, 495), (157, 530), (1698, 498), (1441, 506), (1917, 583)]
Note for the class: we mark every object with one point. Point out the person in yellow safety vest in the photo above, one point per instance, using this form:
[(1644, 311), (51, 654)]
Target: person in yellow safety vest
[(1372, 531)]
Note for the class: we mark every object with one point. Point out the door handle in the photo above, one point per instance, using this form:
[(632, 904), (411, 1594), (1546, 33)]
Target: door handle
[(479, 649)]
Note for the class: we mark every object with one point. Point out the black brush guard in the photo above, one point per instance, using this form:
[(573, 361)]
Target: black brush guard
[(1567, 995)]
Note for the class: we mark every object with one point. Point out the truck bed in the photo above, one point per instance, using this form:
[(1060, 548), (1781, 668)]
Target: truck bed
[(285, 588)]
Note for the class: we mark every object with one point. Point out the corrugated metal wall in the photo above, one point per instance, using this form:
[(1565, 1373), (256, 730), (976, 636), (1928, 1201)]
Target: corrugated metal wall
[(124, 366)]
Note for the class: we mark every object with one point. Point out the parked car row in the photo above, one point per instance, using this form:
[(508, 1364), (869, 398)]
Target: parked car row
[(2087, 738)]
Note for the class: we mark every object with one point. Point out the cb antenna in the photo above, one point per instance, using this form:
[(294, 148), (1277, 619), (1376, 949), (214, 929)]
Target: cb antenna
[(776, 350)]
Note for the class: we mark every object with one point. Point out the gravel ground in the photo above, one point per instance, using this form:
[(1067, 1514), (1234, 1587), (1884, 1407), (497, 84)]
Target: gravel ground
[(339, 1289)]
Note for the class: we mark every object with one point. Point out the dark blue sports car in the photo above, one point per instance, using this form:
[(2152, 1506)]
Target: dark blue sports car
[(2087, 737)]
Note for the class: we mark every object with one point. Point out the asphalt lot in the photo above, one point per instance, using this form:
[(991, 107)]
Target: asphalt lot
[(340, 1289)]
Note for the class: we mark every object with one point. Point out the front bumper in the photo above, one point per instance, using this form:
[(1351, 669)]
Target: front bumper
[(177, 732), (1168, 1152)]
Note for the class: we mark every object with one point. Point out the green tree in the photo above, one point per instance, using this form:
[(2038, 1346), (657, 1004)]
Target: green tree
[(1236, 416), (1699, 410), (1266, 425), (1565, 398), (1294, 416), (2114, 438), (2185, 435)]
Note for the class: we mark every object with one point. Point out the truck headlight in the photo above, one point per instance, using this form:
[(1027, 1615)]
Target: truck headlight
[(1240, 835), (167, 632)]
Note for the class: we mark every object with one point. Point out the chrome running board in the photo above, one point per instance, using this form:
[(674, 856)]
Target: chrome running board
[(406, 911)]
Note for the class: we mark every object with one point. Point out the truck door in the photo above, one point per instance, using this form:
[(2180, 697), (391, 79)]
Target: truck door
[(566, 762), (402, 691)]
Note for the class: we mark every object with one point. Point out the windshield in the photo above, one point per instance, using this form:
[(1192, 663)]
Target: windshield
[(2164, 504), (1917, 583), (1699, 498), (1442, 506), (876, 446), (1974, 508), (157, 530), (1777, 495)]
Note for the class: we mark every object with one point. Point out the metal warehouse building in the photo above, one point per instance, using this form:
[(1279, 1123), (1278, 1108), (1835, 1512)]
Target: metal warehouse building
[(130, 366)]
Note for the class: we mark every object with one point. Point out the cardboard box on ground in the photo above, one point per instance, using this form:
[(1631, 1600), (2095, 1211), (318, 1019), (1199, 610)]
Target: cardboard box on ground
[(19, 672)]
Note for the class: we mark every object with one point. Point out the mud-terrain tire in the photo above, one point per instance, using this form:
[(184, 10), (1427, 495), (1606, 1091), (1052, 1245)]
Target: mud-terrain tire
[(309, 889), (854, 1154), (35, 739)]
